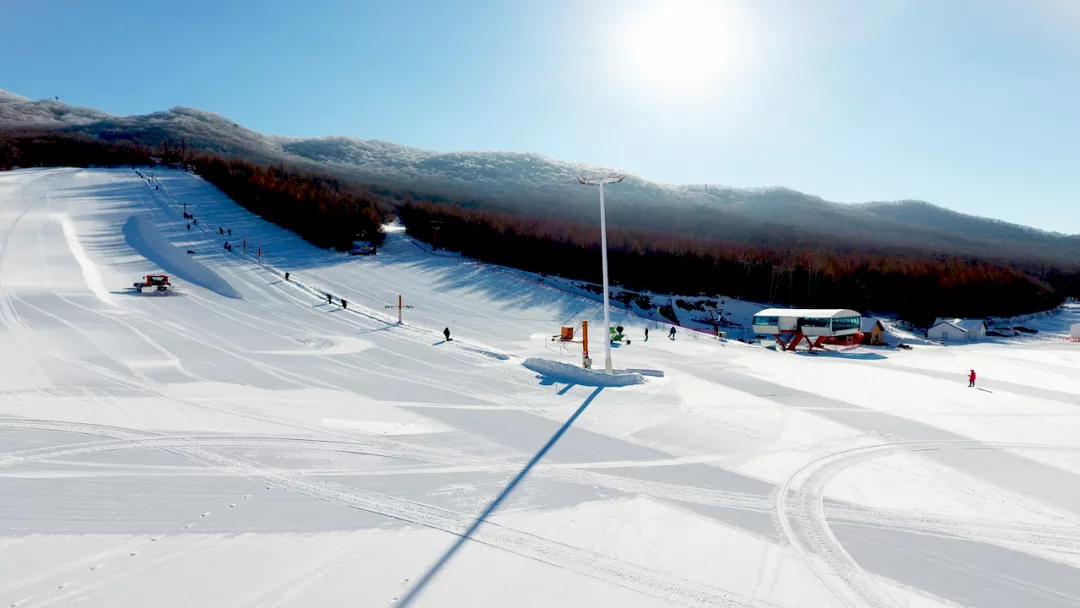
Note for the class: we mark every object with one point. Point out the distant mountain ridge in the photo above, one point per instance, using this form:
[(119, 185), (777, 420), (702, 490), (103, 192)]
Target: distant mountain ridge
[(546, 187)]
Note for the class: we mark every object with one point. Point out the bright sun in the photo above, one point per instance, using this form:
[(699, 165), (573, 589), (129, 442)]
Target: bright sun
[(681, 46)]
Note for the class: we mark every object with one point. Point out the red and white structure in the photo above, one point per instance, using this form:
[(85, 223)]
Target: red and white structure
[(818, 327)]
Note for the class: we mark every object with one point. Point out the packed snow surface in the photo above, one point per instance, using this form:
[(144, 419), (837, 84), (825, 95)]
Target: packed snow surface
[(250, 444)]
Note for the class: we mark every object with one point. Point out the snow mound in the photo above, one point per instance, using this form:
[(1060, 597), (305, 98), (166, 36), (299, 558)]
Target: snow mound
[(564, 372), (144, 238), (485, 352)]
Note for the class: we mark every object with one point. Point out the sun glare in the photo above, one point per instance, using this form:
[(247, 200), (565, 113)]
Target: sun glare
[(681, 47)]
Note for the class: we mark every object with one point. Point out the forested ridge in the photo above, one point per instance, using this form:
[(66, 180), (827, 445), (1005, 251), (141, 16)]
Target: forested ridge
[(915, 286), (763, 262)]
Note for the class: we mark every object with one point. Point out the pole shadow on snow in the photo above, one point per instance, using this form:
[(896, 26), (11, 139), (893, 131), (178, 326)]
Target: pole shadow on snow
[(427, 577), (371, 331), (842, 355)]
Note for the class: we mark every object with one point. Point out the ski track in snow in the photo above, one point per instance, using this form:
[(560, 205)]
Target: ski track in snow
[(833, 563), (150, 349)]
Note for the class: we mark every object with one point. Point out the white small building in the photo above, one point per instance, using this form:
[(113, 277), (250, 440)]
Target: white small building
[(1074, 332), (957, 330)]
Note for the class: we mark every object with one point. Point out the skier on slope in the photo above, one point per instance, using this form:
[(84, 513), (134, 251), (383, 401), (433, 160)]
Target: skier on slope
[(971, 379), (286, 276), (671, 334), (329, 299), (446, 333), (344, 304), (646, 334)]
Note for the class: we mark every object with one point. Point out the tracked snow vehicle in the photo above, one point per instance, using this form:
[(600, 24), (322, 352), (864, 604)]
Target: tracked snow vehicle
[(157, 282)]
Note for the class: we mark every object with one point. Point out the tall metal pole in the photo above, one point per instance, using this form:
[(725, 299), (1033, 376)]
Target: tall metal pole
[(607, 311), (600, 180)]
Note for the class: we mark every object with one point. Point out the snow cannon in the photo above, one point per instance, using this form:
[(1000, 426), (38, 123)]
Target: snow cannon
[(158, 282), (617, 335)]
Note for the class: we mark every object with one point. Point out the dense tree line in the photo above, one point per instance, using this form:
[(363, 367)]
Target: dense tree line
[(31, 148), (916, 287), (319, 208)]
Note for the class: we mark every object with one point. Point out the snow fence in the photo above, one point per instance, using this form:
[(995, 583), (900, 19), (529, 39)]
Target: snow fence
[(145, 238), (572, 374)]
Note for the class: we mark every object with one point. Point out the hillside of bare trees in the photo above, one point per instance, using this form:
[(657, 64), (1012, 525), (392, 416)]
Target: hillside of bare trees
[(770, 245)]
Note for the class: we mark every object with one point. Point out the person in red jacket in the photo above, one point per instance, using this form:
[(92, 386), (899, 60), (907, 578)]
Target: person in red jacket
[(971, 379)]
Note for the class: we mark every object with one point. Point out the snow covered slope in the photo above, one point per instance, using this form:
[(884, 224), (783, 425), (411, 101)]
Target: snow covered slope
[(272, 449)]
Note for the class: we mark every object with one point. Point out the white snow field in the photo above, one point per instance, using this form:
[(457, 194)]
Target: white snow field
[(242, 443)]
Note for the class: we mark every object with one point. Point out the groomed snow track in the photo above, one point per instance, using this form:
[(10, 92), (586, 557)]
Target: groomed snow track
[(728, 477)]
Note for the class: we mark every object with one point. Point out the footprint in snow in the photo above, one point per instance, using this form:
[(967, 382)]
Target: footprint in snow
[(247, 496), (205, 514), (187, 526), (232, 505), (61, 585), (95, 567), (133, 554)]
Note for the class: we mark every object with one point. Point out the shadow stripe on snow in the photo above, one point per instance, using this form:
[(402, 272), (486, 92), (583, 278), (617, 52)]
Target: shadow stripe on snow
[(581, 561), (1012, 534)]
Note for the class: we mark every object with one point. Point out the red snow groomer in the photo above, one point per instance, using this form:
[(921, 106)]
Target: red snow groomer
[(158, 281)]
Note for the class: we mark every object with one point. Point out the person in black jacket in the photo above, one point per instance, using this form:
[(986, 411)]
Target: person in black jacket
[(446, 332)]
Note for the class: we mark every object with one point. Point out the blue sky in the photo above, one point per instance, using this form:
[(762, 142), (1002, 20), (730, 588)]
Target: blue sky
[(969, 104)]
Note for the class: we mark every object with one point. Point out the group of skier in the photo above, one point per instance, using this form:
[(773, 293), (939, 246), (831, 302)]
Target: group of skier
[(221, 231), (329, 297), (671, 333)]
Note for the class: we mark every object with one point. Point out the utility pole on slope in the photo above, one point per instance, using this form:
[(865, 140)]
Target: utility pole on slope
[(435, 227), (398, 307)]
